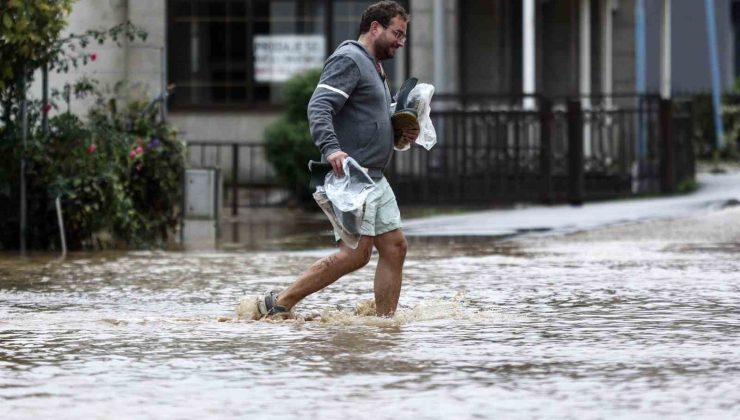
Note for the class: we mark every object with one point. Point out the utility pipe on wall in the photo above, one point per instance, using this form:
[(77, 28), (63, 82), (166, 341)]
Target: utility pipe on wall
[(528, 53), (640, 82), (585, 70), (607, 36), (665, 49), (719, 128), (439, 47)]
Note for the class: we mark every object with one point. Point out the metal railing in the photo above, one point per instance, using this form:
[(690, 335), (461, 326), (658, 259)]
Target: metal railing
[(498, 152), (249, 179)]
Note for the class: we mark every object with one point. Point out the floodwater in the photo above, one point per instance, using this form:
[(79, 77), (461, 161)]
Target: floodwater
[(636, 321)]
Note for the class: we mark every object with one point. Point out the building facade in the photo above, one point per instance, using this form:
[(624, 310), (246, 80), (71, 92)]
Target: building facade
[(228, 58)]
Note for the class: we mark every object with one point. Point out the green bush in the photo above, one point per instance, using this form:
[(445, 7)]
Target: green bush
[(29, 32), (288, 141), (135, 199), (149, 160), (118, 174), (705, 141)]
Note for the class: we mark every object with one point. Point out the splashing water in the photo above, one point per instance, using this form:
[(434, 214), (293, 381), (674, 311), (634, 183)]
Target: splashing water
[(364, 313), (632, 322)]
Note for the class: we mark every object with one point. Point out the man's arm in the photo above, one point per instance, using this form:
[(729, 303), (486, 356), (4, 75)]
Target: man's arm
[(338, 81)]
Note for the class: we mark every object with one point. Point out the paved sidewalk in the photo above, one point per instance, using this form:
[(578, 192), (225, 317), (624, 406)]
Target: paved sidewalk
[(715, 192)]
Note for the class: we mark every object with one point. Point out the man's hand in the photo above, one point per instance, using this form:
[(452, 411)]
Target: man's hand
[(410, 134), (336, 160)]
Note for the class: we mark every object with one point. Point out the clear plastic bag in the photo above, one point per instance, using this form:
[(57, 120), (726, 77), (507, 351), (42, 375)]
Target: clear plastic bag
[(342, 199), (422, 95), (350, 191), (427, 134), (347, 225)]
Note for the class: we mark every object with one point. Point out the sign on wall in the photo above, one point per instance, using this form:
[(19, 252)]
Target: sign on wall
[(278, 57)]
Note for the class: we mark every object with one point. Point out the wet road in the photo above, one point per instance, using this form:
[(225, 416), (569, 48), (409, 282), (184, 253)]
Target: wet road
[(635, 321)]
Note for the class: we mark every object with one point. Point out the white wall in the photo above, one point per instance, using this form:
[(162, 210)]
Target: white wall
[(91, 14), (222, 126), (137, 61), (141, 62), (422, 38), (145, 60)]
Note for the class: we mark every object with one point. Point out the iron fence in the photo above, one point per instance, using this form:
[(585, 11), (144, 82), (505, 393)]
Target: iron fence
[(498, 150)]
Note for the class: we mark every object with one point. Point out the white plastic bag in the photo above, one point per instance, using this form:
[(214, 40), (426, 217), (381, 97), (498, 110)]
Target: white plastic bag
[(349, 192), (347, 225), (422, 93), (342, 199)]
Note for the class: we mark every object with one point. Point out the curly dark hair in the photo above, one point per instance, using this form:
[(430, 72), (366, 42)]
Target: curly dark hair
[(383, 12)]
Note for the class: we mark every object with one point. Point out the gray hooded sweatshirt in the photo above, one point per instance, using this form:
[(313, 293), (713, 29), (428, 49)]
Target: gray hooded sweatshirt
[(350, 109)]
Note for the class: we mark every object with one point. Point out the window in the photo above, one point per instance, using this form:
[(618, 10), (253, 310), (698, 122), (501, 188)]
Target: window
[(221, 52)]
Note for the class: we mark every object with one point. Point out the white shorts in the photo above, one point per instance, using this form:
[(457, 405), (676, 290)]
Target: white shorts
[(382, 214)]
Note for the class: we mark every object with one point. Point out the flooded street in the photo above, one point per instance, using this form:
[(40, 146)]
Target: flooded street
[(634, 321)]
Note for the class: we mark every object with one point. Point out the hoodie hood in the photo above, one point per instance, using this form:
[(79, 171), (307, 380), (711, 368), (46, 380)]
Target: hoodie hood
[(360, 46)]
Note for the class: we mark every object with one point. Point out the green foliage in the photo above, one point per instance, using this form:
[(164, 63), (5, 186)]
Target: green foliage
[(29, 39), (687, 186), (288, 141), (731, 120), (29, 30), (150, 163), (89, 165), (297, 92), (119, 173), (289, 148), (704, 130)]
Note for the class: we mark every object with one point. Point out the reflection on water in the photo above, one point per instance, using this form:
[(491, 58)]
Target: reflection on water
[(274, 229), (614, 323)]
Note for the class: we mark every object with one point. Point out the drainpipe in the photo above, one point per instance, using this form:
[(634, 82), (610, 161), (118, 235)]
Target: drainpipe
[(719, 128), (640, 83), (607, 37), (528, 53), (439, 47), (126, 55), (585, 70), (665, 46)]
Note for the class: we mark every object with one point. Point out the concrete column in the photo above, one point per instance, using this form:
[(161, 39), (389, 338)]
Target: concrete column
[(440, 79), (585, 69), (145, 60), (585, 48), (640, 47), (529, 49), (665, 50), (711, 20), (109, 66), (607, 55)]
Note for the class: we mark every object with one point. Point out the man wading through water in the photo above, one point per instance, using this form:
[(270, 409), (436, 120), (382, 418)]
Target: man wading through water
[(349, 115)]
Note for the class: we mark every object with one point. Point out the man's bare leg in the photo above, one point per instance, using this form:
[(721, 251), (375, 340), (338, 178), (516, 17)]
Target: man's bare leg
[(388, 275), (327, 270)]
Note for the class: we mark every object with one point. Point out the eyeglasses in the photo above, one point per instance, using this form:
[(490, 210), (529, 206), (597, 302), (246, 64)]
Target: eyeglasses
[(400, 36)]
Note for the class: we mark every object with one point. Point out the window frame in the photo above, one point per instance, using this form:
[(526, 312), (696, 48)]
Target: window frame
[(251, 104)]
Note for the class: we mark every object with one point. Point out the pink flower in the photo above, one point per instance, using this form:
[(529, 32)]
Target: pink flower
[(92, 148), (46, 108), (132, 154), (139, 150), (93, 57)]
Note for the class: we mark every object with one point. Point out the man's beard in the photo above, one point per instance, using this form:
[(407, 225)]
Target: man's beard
[(385, 50)]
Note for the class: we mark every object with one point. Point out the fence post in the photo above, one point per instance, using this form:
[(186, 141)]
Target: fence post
[(668, 155), (575, 153), (234, 179), (546, 120)]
